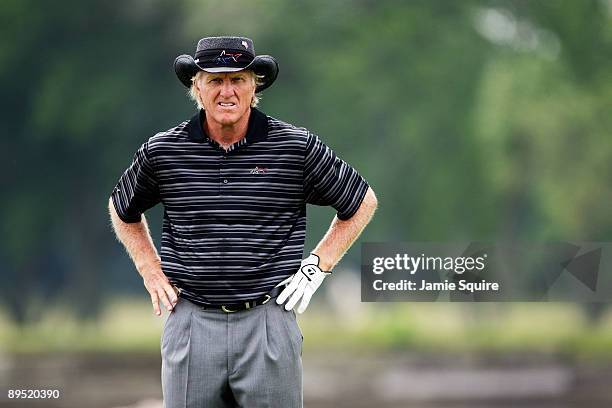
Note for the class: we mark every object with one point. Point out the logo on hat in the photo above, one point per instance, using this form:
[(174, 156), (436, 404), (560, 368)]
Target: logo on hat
[(224, 57), (245, 45)]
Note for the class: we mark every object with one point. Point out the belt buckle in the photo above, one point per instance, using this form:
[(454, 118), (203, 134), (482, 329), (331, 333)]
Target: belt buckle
[(226, 310), (247, 305)]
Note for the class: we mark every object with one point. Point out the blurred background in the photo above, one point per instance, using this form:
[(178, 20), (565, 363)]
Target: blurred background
[(472, 120)]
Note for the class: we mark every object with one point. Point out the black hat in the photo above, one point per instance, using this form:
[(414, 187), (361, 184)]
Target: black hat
[(226, 54)]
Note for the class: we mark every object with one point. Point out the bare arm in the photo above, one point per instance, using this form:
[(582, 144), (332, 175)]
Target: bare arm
[(342, 234), (138, 243)]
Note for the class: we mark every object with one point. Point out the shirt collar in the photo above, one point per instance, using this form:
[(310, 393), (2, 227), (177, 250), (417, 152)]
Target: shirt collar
[(257, 128)]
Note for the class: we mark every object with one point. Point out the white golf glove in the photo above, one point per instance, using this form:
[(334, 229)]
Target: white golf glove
[(302, 284)]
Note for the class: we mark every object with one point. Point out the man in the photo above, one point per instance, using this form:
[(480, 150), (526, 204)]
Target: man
[(234, 184)]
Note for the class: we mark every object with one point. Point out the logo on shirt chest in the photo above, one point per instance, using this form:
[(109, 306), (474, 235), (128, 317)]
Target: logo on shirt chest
[(259, 170)]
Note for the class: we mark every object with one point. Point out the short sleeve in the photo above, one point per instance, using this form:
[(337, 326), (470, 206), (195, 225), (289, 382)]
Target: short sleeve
[(329, 180), (137, 189)]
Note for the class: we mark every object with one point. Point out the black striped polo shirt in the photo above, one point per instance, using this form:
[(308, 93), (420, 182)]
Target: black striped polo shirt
[(234, 221)]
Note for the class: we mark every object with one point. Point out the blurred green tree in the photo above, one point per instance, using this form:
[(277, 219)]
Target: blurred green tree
[(472, 120)]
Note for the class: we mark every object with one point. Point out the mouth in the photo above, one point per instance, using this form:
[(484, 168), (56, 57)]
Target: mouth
[(226, 104)]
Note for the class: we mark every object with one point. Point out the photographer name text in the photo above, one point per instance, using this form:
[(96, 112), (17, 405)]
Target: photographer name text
[(413, 264)]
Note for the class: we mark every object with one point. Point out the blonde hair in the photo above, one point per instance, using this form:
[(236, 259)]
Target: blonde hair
[(195, 96)]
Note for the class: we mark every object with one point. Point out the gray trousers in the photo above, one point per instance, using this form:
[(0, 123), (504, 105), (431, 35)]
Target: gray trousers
[(251, 358)]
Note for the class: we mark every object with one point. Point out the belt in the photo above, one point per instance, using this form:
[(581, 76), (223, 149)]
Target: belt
[(236, 307)]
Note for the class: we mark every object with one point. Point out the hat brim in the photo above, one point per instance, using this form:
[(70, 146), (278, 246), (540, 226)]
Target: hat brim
[(264, 66)]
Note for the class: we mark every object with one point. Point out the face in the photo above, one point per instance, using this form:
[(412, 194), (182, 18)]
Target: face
[(226, 97)]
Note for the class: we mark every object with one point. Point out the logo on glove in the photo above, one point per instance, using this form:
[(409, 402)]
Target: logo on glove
[(309, 270)]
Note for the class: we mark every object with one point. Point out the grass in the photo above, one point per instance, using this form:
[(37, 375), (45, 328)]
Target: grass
[(124, 325), (127, 325)]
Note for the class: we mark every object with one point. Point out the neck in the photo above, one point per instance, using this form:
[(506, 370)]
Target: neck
[(226, 135)]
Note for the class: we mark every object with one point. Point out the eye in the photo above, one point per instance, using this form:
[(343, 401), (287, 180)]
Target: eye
[(215, 80), (237, 79)]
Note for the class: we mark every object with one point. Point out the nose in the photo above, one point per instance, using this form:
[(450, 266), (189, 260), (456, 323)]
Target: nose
[(227, 90)]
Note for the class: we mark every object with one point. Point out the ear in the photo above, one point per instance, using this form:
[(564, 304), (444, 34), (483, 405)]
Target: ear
[(196, 81), (253, 78)]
